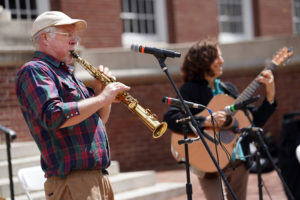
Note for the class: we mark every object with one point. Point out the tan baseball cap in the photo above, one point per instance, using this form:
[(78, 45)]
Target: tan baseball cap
[(55, 18)]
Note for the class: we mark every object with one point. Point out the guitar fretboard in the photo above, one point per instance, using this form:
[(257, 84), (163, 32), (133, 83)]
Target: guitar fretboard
[(252, 87)]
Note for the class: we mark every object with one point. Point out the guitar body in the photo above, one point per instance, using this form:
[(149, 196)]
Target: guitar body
[(199, 158)]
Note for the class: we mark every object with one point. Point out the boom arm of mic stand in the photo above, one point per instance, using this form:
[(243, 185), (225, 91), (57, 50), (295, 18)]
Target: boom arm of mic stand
[(163, 66)]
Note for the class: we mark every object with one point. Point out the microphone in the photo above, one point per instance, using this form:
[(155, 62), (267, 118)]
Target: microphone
[(238, 106), (177, 102), (154, 51), (8, 132)]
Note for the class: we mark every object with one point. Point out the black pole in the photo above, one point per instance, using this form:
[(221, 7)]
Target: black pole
[(259, 173), (265, 148), (189, 188), (9, 135), (11, 184)]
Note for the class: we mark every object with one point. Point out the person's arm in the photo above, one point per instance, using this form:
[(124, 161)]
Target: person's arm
[(104, 112), (263, 112), (100, 103), (104, 97)]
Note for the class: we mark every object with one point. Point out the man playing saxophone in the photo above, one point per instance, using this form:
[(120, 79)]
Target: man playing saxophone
[(65, 118)]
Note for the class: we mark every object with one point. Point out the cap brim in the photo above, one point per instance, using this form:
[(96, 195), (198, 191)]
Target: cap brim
[(79, 23)]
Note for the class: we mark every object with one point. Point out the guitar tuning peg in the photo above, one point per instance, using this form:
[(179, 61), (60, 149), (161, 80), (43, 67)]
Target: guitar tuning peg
[(290, 49)]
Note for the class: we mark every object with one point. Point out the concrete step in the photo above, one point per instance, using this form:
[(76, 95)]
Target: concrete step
[(5, 189), (17, 164), (132, 180), (161, 191), (114, 168), (19, 150)]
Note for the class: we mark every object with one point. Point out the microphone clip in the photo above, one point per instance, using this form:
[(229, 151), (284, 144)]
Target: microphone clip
[(183, 120)]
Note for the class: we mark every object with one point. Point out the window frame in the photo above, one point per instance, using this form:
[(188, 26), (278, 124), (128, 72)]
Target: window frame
[(247, 23), (296, 19), (161, 35), (41, 6)]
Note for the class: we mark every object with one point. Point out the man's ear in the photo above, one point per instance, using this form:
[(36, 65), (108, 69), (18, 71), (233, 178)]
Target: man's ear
[(44, 38)]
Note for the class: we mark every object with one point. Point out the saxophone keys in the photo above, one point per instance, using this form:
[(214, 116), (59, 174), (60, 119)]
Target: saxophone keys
[(132, 105)]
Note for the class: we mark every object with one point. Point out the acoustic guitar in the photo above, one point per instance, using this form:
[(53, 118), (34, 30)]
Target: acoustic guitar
[(200, 161)]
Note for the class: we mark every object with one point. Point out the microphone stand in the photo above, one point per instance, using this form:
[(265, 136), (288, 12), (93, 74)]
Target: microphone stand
[(261, 145), (8, 133), (189, 188), (161, 61)]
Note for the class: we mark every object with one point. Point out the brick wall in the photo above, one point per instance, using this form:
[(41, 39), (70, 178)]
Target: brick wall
[(103, 18), (274, 17), (10, 115), (194, 20)]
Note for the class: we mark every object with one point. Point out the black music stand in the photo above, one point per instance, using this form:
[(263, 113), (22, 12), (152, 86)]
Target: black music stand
[(9, 135)]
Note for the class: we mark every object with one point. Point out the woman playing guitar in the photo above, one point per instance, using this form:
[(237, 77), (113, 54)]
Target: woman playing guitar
[(202, 66)]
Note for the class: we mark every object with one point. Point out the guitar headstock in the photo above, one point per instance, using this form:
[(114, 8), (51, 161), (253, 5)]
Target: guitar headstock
[(283, 55)]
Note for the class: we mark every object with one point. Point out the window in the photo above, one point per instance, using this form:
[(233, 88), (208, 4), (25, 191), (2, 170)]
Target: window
[(143, 21), (235, 20), (296, 17), (25, 9)]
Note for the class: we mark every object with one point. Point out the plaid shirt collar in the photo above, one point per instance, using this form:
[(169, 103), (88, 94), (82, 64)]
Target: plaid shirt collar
[(53, 61)]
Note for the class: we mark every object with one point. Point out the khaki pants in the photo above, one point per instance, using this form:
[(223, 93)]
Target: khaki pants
[(237, 178), (79, 185)]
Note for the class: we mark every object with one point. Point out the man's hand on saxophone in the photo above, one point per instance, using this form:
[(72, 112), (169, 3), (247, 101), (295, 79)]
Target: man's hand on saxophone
[(98, 85), (107, 94)]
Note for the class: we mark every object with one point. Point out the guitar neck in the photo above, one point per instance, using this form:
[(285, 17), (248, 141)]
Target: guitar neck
[(252, 87)]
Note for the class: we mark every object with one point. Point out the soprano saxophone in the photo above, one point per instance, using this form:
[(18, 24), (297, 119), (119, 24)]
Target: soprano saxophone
[(149, 118)]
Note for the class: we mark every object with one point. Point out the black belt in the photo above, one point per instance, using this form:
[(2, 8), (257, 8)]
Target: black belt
[(104, 171)]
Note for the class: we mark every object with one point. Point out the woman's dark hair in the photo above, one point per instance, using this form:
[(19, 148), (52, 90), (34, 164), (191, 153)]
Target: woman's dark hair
[(198, 60)]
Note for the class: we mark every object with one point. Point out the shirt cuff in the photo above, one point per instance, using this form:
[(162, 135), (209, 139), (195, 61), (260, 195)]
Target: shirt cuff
[(70, 110)]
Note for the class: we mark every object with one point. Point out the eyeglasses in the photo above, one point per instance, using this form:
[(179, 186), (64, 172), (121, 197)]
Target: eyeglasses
[(69, 35)]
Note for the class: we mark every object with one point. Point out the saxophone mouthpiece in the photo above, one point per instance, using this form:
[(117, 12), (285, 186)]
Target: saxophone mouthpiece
[(74, 54)]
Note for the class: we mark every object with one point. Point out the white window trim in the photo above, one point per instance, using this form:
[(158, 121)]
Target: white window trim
[(248, 34), (295, 19), (161, 35), (42, 6)]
